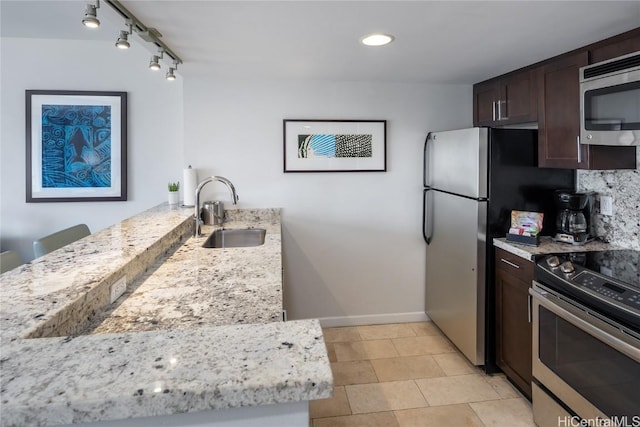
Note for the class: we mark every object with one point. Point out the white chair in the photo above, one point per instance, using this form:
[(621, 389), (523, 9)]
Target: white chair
[(59, 239), (9, 260)]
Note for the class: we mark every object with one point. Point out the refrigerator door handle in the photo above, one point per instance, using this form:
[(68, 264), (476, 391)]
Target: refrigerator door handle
[(425, 161), (427, 222)]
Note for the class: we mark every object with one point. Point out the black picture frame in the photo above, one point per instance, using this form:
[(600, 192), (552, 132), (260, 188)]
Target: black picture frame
[(76, 146)]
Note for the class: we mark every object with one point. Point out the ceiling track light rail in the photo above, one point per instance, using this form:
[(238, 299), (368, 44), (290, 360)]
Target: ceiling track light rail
[(148, 34)]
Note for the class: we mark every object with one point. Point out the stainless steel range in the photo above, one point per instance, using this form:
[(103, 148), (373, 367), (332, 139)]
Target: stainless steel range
[(586, 338)]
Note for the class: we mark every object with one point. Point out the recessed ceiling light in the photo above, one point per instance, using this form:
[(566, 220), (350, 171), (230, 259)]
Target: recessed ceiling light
[(376, 39)]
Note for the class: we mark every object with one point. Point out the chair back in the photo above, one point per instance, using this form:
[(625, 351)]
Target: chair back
[(59, 239), (9, 260)]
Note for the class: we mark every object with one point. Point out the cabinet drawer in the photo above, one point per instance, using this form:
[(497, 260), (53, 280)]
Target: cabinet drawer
[(514, 264)]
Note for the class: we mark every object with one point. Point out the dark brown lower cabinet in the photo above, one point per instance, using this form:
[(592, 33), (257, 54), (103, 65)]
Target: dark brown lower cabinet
[(513, 330)]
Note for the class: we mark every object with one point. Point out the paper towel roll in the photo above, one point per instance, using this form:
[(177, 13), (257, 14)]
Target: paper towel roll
[(189, 184)]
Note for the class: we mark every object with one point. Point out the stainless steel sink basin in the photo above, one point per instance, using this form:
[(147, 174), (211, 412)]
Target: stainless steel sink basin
[(235, 238)]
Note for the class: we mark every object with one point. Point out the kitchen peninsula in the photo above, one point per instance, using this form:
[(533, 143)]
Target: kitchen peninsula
[(197, 336)]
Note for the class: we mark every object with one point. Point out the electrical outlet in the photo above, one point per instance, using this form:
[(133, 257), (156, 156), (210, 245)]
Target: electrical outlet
[(606, 205), (117, 289)]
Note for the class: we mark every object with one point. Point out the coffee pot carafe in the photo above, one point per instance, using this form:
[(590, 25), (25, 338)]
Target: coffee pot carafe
[(574, 223)]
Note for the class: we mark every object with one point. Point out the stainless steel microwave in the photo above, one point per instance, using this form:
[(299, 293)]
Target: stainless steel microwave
[(610, 102)]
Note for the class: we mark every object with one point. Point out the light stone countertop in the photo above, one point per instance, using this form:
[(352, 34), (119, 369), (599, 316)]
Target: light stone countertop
[(196, 286), (143, 360), (548, 246)]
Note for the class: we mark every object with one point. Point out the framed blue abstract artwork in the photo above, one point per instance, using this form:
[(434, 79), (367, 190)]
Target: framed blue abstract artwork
[(76, 146), (335, 145)]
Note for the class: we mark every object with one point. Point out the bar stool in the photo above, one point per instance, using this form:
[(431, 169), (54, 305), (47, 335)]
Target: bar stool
[(9, 260), (59, 239)]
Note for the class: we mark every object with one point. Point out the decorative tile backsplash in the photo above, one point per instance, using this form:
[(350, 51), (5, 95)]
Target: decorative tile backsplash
[(623, 228)]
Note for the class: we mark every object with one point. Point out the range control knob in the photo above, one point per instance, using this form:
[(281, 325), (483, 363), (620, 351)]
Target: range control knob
[(553, 261), (566, 267)]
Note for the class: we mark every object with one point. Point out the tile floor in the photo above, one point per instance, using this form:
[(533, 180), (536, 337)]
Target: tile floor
[(409, 374)]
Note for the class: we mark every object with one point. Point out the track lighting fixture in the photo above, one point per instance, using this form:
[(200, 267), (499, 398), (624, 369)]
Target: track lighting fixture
[(146, 34), (170, 74), (90, 19), (123, 39), (123, 42), (154, 64)]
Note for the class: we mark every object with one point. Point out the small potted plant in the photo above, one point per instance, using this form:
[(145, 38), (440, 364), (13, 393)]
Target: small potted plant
[(174, 195)]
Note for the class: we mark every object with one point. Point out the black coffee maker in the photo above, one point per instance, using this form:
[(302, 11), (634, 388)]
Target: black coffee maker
[(574, 223)]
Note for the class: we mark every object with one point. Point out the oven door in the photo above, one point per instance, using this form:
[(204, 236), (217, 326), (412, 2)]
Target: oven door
[(590, 364)]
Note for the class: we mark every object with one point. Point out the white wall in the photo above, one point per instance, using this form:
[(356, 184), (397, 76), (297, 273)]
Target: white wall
[(352, 242), (154, 131), (353, 250)]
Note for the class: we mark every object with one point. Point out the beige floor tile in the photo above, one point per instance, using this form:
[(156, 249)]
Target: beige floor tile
[(332, 407), (331, 352), (455, 364), (509, 412), (406, 368), (503, 387), (456, 389), (378, 419), (379, 332), (439, 416), (364, 350), (346, 334), (387, 396), (356, 372), (415, 346), (425, 328)]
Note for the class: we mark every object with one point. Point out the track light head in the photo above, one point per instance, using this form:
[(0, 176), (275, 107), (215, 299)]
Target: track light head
[(170, 74), (90, 19), (154, 64), (123, 42)]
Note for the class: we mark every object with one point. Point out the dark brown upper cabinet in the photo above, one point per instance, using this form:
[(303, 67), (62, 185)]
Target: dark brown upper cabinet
[(559, 109), (559, 114), (548, 92), (510, 99)]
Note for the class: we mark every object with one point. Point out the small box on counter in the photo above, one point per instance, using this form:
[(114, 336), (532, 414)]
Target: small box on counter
[(525, 227), (523, 240)]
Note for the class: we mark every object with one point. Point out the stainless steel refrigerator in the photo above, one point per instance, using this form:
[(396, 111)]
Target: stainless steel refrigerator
[(473, 178)]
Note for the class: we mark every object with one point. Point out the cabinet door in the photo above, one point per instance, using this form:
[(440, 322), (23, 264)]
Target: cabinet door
[(485, 96), (518, 98), (559, 114), (513, 330)]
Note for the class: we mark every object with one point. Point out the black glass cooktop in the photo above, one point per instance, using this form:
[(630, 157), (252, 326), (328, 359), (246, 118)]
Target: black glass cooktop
[(621, 264), (606, 281)]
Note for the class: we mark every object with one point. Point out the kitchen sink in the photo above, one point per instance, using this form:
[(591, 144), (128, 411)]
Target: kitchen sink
[(235, 238)]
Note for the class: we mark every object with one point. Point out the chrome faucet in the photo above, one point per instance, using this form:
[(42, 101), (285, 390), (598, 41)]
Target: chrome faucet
[(225, 181)]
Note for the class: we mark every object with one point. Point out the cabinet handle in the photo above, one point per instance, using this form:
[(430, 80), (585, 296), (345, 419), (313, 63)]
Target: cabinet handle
[(493, 110), (510, 263), (499, 110), (529, 303), (579, 151)]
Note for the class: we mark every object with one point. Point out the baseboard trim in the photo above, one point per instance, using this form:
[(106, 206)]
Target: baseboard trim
[(373, 319)]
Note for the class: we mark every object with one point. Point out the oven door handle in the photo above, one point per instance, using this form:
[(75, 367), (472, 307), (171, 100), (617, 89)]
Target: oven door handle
[(582, 319)]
